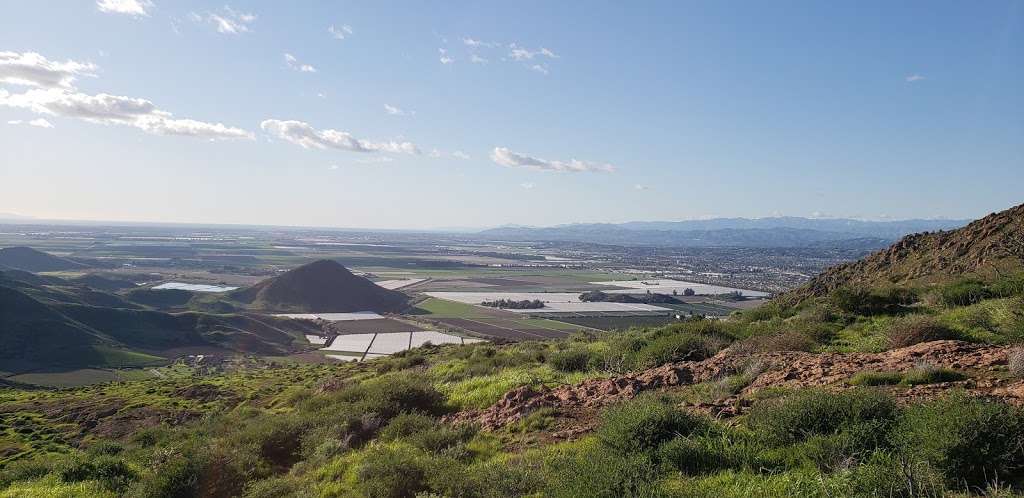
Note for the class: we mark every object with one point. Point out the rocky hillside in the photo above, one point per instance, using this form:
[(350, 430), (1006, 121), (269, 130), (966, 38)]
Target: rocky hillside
[(986, 247), (323, 286)]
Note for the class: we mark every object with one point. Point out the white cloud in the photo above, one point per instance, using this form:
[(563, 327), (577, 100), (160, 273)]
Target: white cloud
[(444, 58), (340, 33), (476, 59), (38, 123), (640, 187), (134, 8), (294, 63), (396, 111), (32, 69), (914, 77), (332, 167), (470, 42), (435, 153), (460, 155), (506, 157), (113, 109), (540, 68), (304, 135), (522, 54), (527, 185), (227, 21)]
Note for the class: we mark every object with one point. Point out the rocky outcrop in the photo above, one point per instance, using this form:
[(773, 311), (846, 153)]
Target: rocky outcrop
[(773, 369)]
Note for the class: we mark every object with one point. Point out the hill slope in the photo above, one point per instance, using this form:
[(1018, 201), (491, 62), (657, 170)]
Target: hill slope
[(985, 247), (322, 286), (28, 259)]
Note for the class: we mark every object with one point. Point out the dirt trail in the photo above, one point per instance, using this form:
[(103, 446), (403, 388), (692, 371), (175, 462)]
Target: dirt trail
[(790, 369)]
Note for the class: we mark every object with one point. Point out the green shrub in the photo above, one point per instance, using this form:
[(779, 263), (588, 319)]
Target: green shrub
[(392, 472), (972, 441), (963, 293), (915, 329), (24, 470), (886, 474), (803, 414), (865, 301), (279, 487), (111, 472), (391, 394), (931, 375), (644, 423), (575, 359), (176, 477), (1008, 286), (496, 478), (875, 379), (716, 450), (596, 472), (426, 433)]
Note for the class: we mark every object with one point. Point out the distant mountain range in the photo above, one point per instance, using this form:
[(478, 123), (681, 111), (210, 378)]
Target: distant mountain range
[(730, 232)]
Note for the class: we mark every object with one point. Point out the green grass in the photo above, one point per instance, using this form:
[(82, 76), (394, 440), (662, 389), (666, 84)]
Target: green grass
[(442, 308), (121, 358)]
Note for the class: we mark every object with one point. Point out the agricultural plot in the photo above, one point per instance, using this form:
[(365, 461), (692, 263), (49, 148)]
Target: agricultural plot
[(357, 347), (706, 309), (194, 287), (616, 322), (668, 286), (399, 283), (334, 317), (510, 330), (382, 326)]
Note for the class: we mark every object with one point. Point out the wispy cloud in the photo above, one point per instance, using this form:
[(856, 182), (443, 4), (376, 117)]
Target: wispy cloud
[(340, 33), (396, 111), (540, 68), (640, 187), (460, 155), (38, 123), (375, 160), (506, 157), (470, 42), (913, 78), (32, 69), (522, 54), (116, 110), (308, 137), (332, 167), (55, 95), (476, 59), (527, 185), (134, 8), (444, 58), (227, 21), (294, 63)]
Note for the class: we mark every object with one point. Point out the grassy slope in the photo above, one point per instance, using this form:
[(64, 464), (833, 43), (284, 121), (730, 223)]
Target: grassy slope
[(305, 427)]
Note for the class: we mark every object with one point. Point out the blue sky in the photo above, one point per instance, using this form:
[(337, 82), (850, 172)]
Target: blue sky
[(431, 114)]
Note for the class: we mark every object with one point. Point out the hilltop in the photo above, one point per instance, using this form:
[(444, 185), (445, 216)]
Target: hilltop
[(988, 247), (28, 259), (321, 286)]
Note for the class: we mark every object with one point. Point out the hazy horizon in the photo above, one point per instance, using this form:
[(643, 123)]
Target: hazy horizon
[(416, 116)]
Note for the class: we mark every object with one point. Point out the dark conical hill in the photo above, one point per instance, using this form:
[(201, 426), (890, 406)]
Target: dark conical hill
[(28, 259), (323, 286)]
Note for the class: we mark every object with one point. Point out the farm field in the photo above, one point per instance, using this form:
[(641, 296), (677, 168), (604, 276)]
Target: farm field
[(384, 325), (615, 322), (490, 323), (669, 286), (706, 309)]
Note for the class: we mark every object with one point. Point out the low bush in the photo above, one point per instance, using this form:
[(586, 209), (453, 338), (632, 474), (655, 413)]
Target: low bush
[(800, 415), (595, 472), (644, 423), (972, 441), (963, 293), (931, 375), (876, 379), (574, 359), (915, 329), (1008, 286), (392, 472)]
